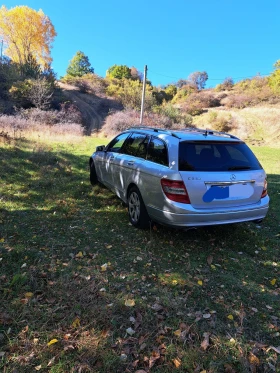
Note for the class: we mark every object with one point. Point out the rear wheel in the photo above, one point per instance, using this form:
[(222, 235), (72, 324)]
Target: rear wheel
[(137, 211), (93, 175)]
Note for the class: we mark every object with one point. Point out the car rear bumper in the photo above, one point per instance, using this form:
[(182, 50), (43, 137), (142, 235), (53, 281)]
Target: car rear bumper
[(196, 218)]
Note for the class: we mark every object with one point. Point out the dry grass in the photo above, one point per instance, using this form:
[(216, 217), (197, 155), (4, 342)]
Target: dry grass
[(256, 124), (13, 127)]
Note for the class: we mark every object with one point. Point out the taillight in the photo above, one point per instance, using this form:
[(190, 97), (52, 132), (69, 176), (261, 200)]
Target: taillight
[(264, 192), (175, 190)]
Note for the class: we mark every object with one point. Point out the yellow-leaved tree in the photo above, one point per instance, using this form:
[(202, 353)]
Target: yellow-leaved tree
[(27, 34)]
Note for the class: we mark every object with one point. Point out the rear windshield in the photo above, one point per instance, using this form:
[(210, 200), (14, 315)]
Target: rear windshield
[(216, 156)]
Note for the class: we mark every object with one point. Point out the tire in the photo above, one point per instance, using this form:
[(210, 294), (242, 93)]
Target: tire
[(137, 211), (93, 175)]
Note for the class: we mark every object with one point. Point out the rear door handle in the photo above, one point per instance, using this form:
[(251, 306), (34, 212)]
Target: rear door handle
[(112, 157), (130, 163)]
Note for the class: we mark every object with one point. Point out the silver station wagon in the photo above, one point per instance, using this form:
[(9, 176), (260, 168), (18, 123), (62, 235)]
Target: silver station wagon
[(182, 178)]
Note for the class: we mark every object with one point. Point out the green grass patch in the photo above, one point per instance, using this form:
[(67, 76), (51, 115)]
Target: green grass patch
[(113, 298)]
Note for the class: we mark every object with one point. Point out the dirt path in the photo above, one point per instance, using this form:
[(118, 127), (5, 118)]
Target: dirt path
[(94, 109)]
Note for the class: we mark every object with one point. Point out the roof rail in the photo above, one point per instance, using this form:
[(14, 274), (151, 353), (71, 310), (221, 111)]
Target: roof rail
[(207, 131), (204, 132), (155, 129)]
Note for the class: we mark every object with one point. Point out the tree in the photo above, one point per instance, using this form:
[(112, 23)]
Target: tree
[(199, 79), (119, 72), (274, 79), (79, 65), (26, 33), (136, 74)]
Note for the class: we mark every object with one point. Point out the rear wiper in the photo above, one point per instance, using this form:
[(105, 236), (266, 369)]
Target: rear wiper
[(239, 168)]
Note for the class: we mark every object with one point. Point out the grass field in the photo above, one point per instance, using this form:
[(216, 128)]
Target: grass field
[(81, 290)]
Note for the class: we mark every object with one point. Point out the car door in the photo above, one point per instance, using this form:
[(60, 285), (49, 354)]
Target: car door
[(105, 162), (127, 165)]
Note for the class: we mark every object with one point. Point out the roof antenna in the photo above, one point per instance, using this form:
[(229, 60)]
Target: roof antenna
[(206, 132)]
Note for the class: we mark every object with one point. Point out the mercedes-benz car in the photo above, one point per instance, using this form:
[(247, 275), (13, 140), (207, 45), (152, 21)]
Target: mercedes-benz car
[(182, 178)]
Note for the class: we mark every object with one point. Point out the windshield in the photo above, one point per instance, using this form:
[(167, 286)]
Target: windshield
[(216, 156)]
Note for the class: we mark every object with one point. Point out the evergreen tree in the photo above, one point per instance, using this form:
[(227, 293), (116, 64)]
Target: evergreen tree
[(79, 65)]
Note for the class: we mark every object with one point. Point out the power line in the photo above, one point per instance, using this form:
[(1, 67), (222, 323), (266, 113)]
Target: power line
[(219, 79)]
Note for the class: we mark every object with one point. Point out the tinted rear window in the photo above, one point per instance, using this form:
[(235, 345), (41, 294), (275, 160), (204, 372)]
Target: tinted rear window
[(216, 156)]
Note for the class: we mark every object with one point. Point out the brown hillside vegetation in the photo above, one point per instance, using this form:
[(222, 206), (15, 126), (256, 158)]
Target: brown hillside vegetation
[(94, 109)]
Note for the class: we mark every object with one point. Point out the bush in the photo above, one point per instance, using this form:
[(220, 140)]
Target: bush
[(174, 114), (37, 92), (16, 126), (129, 93), (183, 92), (68, 113), (220, 121), (238, 101), (89, 83), (227, 85)]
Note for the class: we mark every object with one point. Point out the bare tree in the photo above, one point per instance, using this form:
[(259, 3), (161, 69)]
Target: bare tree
[(40, 93), (199, 79)]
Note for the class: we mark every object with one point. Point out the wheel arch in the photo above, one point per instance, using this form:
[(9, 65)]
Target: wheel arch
[(131, 185)]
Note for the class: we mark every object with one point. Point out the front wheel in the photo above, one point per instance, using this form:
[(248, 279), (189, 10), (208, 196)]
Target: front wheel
[(137, 212)]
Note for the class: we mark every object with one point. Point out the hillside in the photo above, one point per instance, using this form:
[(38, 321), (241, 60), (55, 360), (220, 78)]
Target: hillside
[(258, 124), (94, 109)]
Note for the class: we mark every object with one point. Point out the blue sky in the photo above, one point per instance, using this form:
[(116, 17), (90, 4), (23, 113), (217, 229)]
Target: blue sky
[(226, 38)]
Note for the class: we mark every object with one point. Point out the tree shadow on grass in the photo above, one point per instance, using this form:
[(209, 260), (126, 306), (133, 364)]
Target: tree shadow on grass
[(58, 233)]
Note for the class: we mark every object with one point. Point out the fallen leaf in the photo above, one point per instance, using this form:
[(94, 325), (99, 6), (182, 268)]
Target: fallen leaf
[(130, 331), (210, 259), (177, 362), (38, 367), (200, 282), (80, 255), (28, 295), (205, 343), (177, 333), (129, 303), (2, 240), (104, 267), (253, 359), (230, 317), (207, 315), (141, 371), (53, 341), (76, 322), (273, 282)]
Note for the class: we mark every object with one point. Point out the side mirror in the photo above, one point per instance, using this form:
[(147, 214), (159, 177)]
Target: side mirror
[(100, 148)]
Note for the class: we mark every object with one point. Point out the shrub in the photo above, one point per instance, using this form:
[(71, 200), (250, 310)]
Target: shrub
[(68, 113), (174, 114), (223, 124), (37, 92), (16, 126), (238, 101), (129, 93), (196, 102), (274, 79), (226, 85), (183, 92), (89, 83), (121, 120)]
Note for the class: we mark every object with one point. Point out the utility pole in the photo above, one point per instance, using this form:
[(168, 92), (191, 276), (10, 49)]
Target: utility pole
[(143, 95)]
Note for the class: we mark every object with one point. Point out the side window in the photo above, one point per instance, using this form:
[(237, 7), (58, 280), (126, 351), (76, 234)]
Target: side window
[(157, 151), (136, 145), (116, 144)]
